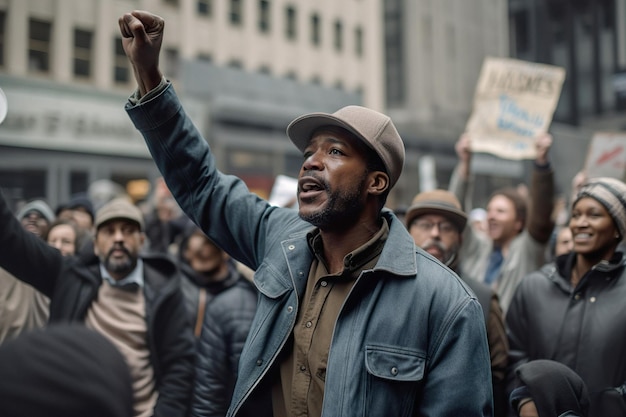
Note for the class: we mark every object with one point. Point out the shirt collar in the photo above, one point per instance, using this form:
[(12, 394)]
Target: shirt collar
[(134, 279)]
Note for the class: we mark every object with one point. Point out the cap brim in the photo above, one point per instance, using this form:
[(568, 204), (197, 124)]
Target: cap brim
[(301, 129)]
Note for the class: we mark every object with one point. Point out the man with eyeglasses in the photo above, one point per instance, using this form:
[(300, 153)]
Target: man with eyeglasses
[(436, 222)]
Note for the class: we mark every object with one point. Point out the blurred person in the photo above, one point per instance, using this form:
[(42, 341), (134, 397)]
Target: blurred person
[(572, 310), (36, 217), (63, 234), (436, 222), (222, 303), (352, 319), (22, 307), (165, 221), (518, 232), (79, 209), (135, 301), (546, 388), (64, 370)]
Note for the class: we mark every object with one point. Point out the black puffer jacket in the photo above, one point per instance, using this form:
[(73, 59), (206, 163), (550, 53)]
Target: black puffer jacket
[(582, 328), (72, 284), (230, 308)]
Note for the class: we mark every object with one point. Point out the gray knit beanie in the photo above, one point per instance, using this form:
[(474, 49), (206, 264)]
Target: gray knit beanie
[(611, 193)]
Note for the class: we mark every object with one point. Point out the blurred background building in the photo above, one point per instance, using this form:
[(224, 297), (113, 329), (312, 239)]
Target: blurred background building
[(245, 68)]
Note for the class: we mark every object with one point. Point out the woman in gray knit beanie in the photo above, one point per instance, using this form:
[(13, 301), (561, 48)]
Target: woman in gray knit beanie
[(572, 310)]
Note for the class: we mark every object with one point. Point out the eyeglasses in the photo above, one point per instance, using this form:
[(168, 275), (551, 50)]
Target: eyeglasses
[(445, 228)]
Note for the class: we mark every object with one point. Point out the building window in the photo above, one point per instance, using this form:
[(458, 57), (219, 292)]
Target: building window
[(171, 2), (358, 41), (395, 82), (39, 45), (172, 62), (121, 71), (3, 16), (204, 7), (236, 11), (82, 52), (290, 23), (338, 36), (316, 32), (264, 16)]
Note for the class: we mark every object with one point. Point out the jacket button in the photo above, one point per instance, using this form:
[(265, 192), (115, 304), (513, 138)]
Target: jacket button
[(592, 299), (259, 362), (394, 371), (291, 247), (289, 309)]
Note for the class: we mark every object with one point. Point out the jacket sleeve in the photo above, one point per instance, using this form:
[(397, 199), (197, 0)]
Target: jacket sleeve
[(25, 255), (540, 222), (174, 343), (239, 221), (499, 350), (226, 325)]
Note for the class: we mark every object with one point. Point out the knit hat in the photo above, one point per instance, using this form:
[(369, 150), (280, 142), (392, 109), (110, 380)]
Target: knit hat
[(120, 208), (611, 193), (375, 129), (64, 370), (440, 202), (553, 387), (39, 206)]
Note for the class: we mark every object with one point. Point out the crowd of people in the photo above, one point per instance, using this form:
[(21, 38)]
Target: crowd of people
[(213, 302)]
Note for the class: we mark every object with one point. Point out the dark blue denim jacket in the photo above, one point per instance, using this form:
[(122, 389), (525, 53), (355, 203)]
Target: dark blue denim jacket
[(410, 338)]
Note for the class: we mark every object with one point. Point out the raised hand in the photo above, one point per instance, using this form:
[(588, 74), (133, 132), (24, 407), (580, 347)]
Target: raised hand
[(142, 35)]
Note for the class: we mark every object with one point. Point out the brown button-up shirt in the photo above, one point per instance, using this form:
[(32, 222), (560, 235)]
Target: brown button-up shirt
[(300, 388)]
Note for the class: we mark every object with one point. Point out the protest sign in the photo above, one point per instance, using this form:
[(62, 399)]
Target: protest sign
[(513, 104), (606, 156), (284, 192)]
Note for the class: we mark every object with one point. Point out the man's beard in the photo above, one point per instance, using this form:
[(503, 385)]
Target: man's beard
[(120, 267), (449, 253), (342, 209)]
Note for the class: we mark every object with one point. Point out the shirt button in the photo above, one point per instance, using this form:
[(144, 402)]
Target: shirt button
[(289, 309), (291, 247), (577, 297), (592, 299), (394, 371), (308, 324), (302, 368), (323, 283), (259, 362)]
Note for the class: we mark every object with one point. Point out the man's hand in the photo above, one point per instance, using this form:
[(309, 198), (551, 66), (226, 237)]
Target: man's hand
[(543, 143), (142, 35)]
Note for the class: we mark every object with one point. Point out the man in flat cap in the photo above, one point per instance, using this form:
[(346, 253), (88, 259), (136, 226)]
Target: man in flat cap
[(352, 319), (135, 301)]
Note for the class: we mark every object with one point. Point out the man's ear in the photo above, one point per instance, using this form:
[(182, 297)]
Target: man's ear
[(378, 182)]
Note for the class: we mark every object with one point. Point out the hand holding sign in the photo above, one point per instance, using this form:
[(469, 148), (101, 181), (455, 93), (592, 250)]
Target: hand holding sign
[(513, 104)]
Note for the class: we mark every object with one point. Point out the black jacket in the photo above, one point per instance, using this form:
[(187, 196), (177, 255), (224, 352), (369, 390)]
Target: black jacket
[(230, 308), (72, 284), (581, 327)]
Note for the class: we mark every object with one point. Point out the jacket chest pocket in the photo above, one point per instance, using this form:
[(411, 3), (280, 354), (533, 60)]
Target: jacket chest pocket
[(394, 376)]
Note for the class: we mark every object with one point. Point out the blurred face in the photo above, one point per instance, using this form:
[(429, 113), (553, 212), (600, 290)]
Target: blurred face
[(564, 242), (502, 222), (332, 180), (82, 218), (117, 243), (63, 237), (593, 229), (205, 257), (35, 223), (436, 235)]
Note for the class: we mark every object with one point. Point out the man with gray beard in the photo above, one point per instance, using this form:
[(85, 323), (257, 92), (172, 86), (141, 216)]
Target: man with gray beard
[(135, 301), (436, 222)]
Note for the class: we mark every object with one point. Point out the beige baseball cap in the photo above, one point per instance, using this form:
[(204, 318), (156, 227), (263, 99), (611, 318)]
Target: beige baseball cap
[(119, 208), (375, 129)]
